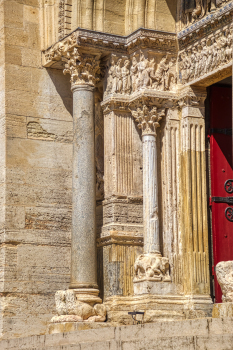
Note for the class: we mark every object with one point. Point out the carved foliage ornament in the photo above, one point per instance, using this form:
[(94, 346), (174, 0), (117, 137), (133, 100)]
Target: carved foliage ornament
[(84, 69), (148, 118)]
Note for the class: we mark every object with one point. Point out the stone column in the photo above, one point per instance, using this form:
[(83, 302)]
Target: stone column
[(81, 301), (150, 266), (83, 243)]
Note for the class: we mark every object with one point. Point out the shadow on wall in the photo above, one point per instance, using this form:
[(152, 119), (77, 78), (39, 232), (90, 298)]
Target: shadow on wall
[(172, 5), (62, 85)]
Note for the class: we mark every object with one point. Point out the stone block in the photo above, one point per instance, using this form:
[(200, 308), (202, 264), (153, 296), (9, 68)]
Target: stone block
[(222, 310)]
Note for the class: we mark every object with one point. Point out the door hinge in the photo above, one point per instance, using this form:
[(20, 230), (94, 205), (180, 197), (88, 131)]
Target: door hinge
[(228, 200)]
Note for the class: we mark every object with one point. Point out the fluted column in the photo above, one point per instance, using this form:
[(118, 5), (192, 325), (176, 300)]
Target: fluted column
[(81, 302), (150, 266), (150, 195), (148, 121)]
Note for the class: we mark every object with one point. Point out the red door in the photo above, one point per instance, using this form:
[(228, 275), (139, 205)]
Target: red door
[(221, 176)]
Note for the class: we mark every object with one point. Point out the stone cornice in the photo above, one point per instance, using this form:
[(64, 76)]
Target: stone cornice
[(145, 96), (104, 44), (120, 240), (187, 96)]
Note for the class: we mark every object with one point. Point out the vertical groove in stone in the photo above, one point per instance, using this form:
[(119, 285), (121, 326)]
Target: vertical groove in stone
[(124, 155)]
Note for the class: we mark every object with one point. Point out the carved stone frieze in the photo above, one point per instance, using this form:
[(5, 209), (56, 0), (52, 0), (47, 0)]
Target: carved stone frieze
[(143, 70), (195, 13), (207, 57)]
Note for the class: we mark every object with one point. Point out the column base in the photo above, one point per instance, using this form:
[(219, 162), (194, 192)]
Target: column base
[(79, 305)]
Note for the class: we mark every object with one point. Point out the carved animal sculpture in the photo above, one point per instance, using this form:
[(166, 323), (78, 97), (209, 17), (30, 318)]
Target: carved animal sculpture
[(152, 265)]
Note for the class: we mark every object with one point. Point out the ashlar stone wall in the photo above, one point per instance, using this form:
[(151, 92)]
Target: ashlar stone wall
[(35, 172)]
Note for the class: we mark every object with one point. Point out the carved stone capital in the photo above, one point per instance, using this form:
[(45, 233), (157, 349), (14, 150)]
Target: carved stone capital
[(83, 69), (148, 118)]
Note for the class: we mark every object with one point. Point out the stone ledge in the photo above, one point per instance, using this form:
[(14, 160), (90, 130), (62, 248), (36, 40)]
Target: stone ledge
[(65, 327), (200, 334)]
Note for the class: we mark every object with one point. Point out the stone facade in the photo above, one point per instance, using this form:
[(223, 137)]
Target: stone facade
[(103, 164)]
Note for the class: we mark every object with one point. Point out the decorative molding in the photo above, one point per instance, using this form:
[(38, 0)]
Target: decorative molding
[(104, 44), (120, 240), (64, 20)]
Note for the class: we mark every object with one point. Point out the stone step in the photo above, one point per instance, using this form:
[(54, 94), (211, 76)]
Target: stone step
[(197, 334)]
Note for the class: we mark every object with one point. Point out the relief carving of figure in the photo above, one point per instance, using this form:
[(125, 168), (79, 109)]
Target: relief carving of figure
[(126, 83), (208, 55), (118, 76), (134, 73), (111, 78), (143, 74), (160, 76)]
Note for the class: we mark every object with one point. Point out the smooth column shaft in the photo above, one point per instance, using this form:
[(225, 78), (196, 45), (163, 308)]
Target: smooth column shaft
[(83, 244), (150, 195)]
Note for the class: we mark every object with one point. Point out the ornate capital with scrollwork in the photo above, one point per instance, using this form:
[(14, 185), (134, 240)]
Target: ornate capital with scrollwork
[(148, 118), (83, 69)]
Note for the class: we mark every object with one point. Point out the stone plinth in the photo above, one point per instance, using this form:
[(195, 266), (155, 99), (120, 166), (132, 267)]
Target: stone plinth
[(152, 286), (157, 307), (222, 310)]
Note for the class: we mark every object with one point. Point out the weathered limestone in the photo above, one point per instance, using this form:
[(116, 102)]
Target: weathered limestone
[(36, 160), (224, 273), (83, 247), (200, 334), (150, 266), (193, 165)]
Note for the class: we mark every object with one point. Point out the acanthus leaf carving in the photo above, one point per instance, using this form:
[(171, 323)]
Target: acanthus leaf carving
[(83, 69), (148, 118)]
